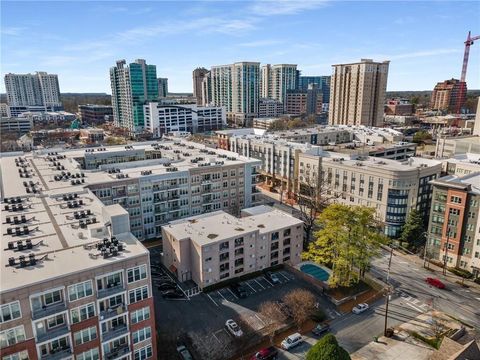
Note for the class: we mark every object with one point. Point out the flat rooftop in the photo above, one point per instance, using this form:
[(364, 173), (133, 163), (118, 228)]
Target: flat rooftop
[(216, 226), (470, 181)]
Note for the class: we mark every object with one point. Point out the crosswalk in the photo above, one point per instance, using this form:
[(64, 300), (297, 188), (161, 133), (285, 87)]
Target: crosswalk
[(413, 302)]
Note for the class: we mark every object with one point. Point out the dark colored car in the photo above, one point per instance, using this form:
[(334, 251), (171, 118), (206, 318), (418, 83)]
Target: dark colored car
[(173, 294), (435, 282), (269, 353), (239, 290), (166, 286), (272, 277), (320, 329)]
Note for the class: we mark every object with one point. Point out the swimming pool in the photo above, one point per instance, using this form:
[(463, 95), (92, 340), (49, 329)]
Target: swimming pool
[(316, 271)]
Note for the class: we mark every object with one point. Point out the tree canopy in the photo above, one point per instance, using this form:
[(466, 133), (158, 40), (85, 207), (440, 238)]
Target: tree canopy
[(413, 230), (421, 136), (327, 348), (349, 237)]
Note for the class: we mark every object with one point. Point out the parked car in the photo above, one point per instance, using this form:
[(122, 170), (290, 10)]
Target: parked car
[(321, 329), (272, 277), (233, 328), (269, 353), (360, 308), (184, 353), (166, 286), (239, 290), (173, 294), (291, 341), (435, 282)]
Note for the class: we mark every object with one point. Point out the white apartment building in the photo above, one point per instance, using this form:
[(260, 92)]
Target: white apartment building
[(215, 247), (222, 87), (277, 79), (75, 283), (269, 108), (357, 93), (163, 118), (16, 125), (39, 89)]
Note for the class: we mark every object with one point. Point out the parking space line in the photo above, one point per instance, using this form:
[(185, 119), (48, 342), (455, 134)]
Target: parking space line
[(281, 273), (258, 317), (250, 287), (219, 293), (231, 292), (259, 284), (267, 281), (212, 299), (414, 307)]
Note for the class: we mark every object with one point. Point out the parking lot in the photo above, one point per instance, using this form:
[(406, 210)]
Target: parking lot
[(199, 321)]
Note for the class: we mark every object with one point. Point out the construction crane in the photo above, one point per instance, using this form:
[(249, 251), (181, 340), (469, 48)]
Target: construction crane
[(461, 94)]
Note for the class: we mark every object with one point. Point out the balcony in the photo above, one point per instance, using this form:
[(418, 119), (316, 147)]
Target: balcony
[(117, 352), (54, 333), (111, 290), (48, 310), (58, 354), (113, 311), (115, 332)]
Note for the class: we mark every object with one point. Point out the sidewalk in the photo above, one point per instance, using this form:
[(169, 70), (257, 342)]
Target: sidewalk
[(437, 270)]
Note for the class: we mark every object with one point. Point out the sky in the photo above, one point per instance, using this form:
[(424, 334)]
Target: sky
[(81, 40)]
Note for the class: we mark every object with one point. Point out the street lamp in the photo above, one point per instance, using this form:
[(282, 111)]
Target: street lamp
[(387, 300), (425, 252)]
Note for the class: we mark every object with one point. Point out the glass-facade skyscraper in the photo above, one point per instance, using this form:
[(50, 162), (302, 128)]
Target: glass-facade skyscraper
[(322, 83), (133, 86)]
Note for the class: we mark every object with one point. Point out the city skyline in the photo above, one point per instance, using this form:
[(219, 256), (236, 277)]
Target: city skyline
[(83, 41)]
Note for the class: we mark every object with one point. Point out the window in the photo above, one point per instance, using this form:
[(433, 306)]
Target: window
[(239, 242), (10, 311), (53, 297), (286, 232), (91, 354), (12, 336), (140, 315), (80, 290), (55, 321), (275, 236), (138, 294), (143, 353), (82, 313), (85, 335), (137, 273), (223, 246), (22, 355), (142, 335), (455, 199)]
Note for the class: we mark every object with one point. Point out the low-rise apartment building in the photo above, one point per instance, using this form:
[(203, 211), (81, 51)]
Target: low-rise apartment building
[(454, 228), (94, 114), (215, 247), (75, 283), (391, 187)]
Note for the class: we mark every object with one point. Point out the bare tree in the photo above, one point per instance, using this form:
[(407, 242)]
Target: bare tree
[(314, 194), (273, 316), (301, 304)]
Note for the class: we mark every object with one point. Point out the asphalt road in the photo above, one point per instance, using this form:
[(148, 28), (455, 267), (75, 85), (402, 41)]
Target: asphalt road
[(409, 278)]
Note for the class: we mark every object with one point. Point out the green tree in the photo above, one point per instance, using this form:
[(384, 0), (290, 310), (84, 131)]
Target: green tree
[(279, 124), (421, 136), (413, 230), (349, 237), (327, 348)]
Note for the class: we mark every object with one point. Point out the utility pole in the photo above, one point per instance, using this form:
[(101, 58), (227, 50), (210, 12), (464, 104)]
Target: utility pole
[(387, 300), (425, 260)]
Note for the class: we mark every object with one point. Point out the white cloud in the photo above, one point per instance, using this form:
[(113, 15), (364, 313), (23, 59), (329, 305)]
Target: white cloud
[(13, 30), (260, 43), (284, 7)]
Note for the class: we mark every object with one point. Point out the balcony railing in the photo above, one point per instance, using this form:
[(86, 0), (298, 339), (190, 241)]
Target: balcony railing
[(115, 332), (48, 310), (54, 333), (112, 311), (58, 354), (117, 352), (111, 290)]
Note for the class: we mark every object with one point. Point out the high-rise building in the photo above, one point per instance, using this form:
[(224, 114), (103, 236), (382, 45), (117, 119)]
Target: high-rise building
[(322, 83), (246, 92), (162, 87), (357, 93), (268, 108), (304, 102), (198, 76), (446, 95), (39, 89), (221, 83), (133, 86), (207, 90), (277, 80)]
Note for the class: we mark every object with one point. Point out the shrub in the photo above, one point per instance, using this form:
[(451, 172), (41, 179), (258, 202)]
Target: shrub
[(318, 316), (327, 348), (461, 272)]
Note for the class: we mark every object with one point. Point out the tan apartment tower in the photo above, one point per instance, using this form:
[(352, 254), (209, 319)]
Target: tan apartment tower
[(357, 93), (446, 95), (198, 75)]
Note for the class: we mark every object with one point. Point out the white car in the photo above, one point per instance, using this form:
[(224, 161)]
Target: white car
[(233, 328), (360, 308), (291, 341)]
